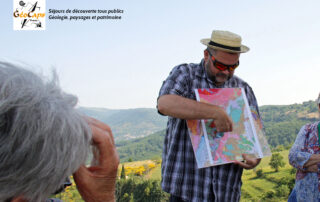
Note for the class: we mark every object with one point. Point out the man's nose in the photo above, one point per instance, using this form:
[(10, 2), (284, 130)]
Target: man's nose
[(226, 71)]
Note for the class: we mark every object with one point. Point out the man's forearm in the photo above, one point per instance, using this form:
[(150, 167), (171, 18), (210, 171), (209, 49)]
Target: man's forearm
[(185, 108)]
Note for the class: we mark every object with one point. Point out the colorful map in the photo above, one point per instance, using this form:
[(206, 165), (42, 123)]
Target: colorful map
[(212, 148)]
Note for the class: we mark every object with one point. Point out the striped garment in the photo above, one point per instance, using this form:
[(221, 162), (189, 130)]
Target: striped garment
[(180, 175)]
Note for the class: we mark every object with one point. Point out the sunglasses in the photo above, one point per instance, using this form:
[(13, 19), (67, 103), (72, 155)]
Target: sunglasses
[(221, 66)]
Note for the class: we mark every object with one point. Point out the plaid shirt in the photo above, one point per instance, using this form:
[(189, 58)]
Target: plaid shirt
[(180, 175)]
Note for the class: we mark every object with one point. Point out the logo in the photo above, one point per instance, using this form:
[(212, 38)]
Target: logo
[(29, 14)]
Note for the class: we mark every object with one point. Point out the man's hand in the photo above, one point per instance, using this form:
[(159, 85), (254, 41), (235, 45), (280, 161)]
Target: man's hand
[(248, 163), (313, 160), (222, 121), (97, 183)]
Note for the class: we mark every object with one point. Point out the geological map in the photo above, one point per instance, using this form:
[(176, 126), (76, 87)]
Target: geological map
[(247, 137)]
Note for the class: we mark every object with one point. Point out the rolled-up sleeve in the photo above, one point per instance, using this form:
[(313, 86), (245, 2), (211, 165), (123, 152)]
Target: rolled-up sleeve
[(298, 154), (177, 83)]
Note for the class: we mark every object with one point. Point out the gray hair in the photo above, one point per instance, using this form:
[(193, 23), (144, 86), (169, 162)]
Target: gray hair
[(43, 139), (211, 50)]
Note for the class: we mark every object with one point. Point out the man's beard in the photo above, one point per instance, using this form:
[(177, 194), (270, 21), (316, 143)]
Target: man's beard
[(219, 74)]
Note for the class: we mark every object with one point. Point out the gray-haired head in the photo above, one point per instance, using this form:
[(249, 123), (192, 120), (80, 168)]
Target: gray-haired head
[(43, 139)]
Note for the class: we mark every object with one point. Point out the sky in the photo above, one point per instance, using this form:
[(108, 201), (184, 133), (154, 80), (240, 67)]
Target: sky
[(120, 64)]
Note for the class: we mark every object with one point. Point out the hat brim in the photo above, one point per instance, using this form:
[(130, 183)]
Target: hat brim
[(243, 48)]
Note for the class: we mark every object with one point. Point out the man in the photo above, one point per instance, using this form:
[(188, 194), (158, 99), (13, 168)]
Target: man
[(43, 140), (180, 175)]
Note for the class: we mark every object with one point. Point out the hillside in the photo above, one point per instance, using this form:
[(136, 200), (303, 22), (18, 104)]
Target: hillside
[(149, 147), (282, 123), (128, 123)]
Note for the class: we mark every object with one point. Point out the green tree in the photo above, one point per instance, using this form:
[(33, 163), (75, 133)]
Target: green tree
[(138, 189), (260, 173), (123, 172), (282, 191), (268, 196), (276, 161)]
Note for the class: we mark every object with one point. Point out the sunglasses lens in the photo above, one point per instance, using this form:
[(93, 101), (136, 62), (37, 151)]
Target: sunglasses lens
[(220, 66), (223, 67), (233, 67)]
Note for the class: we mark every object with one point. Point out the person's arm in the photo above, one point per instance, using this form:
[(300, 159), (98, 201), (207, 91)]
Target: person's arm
[(312, 168), (97, 183), (185, 108), (313, 160), (299, 156), (313, 164)]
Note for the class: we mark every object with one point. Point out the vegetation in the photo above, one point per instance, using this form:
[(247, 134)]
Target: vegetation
[(272, 180), (276, 161), (129, 124), (260, 184), (270, 185), (141, 149), (138, 189), (123, 173), (260, 173), (282, 124)]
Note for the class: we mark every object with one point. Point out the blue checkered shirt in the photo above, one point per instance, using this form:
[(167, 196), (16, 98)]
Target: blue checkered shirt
[(180, 175)]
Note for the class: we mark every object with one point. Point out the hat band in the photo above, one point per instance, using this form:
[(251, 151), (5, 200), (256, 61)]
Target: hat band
[(223, 46)]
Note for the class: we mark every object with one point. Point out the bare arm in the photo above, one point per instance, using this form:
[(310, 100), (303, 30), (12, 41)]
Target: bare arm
[(184, 108), (312, 164), (314, 159)]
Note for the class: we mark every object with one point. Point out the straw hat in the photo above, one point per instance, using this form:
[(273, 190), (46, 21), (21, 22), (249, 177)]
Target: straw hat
[(226, 41)]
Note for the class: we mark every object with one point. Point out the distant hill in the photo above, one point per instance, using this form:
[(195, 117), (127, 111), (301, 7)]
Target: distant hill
[(282, 124), (129, 123), (149, 147)]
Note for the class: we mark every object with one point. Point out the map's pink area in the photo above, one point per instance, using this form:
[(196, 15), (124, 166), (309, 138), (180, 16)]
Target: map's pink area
[(218, 97)]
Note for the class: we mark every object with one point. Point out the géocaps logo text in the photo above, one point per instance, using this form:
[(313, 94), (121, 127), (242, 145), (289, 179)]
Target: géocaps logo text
[(29, 14)]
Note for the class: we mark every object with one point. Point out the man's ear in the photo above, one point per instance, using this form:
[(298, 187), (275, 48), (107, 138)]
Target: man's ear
[(206, 55)]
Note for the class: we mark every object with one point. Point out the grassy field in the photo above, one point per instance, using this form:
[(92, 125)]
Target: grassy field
[(155, 174), (253, 186)]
